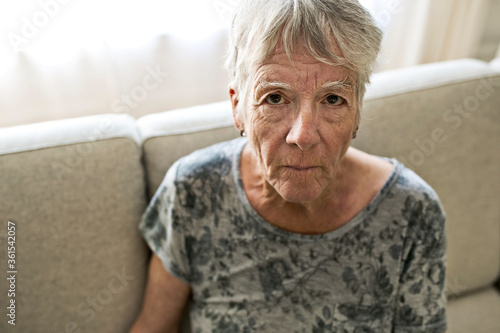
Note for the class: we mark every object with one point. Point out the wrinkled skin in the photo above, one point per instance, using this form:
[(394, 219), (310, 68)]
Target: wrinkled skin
[(299, 117)]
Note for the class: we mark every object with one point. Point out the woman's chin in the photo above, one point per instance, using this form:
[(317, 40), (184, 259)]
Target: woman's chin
[(299, 194)]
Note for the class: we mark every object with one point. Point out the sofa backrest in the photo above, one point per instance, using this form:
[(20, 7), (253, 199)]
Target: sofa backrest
[(75, 190), (441, 120), (170, 135)]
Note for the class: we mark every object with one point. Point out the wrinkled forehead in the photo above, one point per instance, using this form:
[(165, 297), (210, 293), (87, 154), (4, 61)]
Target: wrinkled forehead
[(305, 69), (306, 46), (300, 64), (301, 53)]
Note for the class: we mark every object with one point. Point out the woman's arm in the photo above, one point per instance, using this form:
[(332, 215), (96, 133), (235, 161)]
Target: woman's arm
[(164, 302)]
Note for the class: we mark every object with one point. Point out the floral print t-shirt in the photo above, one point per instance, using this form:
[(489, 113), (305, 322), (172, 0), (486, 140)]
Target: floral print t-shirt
[(383, 271)]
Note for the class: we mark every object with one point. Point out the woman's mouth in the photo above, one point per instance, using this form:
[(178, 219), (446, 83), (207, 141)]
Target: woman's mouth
[(300, 168)]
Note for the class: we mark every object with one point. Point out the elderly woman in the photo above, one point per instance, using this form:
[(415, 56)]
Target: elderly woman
[(289, 229)]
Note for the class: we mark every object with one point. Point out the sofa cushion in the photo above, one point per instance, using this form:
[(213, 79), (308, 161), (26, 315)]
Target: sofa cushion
[(400, 81), (448, 132), (477, 312), (76, 191), (167, 136)]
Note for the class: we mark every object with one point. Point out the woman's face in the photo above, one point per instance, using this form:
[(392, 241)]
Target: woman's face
[(299, 119)]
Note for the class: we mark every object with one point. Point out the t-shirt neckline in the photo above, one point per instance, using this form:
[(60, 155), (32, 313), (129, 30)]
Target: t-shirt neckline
[(356, 220)]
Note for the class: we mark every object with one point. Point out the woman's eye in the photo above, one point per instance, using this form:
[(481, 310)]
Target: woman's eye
[(275, 99), (334, 100)]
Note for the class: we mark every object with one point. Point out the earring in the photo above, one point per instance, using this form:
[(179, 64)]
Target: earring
[(242, 133), (355, 133)]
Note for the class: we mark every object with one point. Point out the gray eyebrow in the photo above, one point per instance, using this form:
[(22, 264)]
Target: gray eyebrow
[(344, 84), (275, 85)]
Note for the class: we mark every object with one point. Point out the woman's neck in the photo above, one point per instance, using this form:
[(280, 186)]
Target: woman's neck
[(358, 179)]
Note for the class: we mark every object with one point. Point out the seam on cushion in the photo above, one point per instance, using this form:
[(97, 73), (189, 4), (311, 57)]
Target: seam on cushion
[(148, 133), (431, 86), (180, 121), (43, 147), (135, 137), (179, 133), (202, 128)]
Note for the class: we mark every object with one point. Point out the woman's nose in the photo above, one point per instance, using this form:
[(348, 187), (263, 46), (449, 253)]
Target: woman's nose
[(304, 131)]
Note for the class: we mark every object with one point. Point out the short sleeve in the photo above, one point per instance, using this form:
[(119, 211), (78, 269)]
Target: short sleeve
[(158, 228), (421, 298)]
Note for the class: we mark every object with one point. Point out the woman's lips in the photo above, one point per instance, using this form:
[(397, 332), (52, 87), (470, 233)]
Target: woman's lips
[(301, 168)]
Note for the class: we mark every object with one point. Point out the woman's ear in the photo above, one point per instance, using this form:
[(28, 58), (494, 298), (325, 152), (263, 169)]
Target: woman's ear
[(233, 95), (357, 118)]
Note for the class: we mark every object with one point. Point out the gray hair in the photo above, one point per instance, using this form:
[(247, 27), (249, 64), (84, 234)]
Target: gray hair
[(260, 25)]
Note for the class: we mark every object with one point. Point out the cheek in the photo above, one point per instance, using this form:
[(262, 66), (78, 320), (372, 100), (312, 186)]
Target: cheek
[(339, 139), (259, 124), (340, 126), (265, 136)]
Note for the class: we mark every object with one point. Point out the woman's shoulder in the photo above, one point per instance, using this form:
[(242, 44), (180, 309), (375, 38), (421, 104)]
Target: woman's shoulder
[(388, 178), (411, 195), (368, 174), (411, 184), (384, 172), (196, 179)]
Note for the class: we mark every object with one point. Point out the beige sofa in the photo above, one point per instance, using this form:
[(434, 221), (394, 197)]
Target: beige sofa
[(76, 189)]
